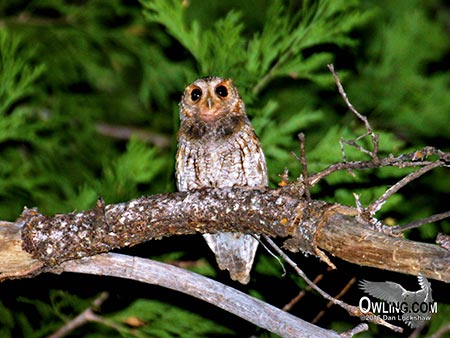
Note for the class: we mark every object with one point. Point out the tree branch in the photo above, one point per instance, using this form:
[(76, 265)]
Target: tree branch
[(227, 298), (414, 159), (420, 222), (369, 131), (37, 242), (125, 133), (85, 317), (351, 309), (375, 206)]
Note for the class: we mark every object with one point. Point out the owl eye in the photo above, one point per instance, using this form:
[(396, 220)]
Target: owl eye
[(196, 94), (222, 91)]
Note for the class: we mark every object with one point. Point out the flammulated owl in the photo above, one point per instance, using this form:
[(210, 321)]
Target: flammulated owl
[(217, 147)]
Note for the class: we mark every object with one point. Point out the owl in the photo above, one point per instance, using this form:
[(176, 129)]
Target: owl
[(217, 147)]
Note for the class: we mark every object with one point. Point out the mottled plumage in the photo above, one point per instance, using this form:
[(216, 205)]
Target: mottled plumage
[(217, 147)]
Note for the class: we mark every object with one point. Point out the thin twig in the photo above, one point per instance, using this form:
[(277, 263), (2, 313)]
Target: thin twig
[(85, 317), (297, 269), (29, 19), (354, 144), (352, 310), (272, 254), (420, 222), (357, 329), (301, 294), (125, 133), (225, 297), (401, 161), (418, 330), (363, 215), (338, 296), (374, 137), (375, 206), (304, 164), (441, 332)]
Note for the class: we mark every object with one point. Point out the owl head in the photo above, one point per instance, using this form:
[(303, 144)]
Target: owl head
[(210, 99)]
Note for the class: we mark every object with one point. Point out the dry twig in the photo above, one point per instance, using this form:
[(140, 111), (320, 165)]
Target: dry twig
[(357, 329), (375, 206), (304, 164), (351, 310), (85, 317), (227, 298), (125, 133), (338, 296), (36, 243), (369, 131), (420, 222), (401, 161), (301, 294)]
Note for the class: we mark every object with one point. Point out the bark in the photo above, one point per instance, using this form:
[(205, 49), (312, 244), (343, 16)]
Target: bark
[(225, 297), (36, 242)]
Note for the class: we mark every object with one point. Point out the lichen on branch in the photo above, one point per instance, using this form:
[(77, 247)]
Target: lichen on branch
[(276, 213), (313, 227)]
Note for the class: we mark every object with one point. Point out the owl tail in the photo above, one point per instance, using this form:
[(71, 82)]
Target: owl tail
[(234, 252)]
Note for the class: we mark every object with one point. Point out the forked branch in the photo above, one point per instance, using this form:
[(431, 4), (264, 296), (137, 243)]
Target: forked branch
[(36, 243)]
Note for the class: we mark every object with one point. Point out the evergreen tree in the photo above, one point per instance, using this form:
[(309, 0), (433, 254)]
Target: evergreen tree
[(76, 75)]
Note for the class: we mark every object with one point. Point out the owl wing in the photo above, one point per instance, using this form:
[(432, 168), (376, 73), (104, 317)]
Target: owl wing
[(236, 252), (242, 163)]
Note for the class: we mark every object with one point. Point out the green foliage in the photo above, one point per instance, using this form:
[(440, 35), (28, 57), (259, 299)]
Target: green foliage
[(265, 265), (163, 317), (437, 322), (408, 89), (48, 314), (277, 50), (137, 165), (6, 321), (68, 66), (18, 77), (157, 319), (68, 72)]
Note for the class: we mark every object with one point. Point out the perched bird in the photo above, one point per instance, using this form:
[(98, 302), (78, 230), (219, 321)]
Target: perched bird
[(217, 147), (407, 301)]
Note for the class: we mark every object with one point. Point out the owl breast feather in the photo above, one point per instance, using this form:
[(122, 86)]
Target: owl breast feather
[(234, 160)]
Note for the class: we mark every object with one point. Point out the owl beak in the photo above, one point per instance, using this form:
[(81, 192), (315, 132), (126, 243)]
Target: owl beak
[(209, 102), (207, 111)]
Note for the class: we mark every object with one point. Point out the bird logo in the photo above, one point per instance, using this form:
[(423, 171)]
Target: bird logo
[(415, 306)]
